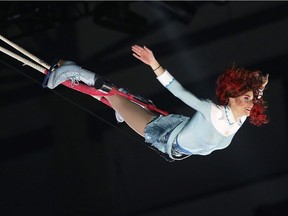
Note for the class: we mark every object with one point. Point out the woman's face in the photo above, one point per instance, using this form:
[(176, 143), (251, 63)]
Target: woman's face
[(242, 105)]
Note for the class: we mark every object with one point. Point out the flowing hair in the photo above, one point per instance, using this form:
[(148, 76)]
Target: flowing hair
[(235, 82)]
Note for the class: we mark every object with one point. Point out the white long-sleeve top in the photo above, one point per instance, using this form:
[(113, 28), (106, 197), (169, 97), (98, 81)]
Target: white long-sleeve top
[(212, 127)]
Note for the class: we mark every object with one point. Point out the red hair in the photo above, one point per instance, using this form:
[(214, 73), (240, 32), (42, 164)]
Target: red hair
[(235, 82)]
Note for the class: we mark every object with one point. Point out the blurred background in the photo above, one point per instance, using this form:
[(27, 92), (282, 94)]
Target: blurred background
[(63, 153)]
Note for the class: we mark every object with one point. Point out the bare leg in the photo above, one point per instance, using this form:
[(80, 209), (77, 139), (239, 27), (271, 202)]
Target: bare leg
[(134, 115)]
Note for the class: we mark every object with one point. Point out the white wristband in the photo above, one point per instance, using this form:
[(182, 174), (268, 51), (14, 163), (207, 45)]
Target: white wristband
[(165, 79)]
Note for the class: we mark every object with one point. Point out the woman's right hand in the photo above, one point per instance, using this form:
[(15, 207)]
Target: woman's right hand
[(145, 55)]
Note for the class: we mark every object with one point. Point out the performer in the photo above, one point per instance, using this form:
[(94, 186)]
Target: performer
[(211, 128)]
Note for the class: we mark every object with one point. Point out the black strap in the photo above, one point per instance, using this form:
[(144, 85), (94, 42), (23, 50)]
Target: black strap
[(52, 67)]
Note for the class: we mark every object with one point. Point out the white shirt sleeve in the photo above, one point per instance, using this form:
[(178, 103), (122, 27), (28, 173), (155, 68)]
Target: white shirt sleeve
[(165, 79)]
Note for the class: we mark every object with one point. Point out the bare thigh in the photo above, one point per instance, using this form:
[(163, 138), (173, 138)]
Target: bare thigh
[(134, 115)]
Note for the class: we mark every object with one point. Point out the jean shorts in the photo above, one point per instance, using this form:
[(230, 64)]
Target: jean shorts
[(157, 133)]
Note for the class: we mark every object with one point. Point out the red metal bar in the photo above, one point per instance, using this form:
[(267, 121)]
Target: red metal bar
[(90, 90)]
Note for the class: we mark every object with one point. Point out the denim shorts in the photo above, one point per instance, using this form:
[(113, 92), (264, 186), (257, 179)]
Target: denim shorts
[(157, 133)]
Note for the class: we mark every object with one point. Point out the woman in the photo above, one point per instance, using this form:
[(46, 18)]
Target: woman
[(211, 128)]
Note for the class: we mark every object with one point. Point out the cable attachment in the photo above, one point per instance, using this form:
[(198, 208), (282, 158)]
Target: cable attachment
[(103, 85), (136, 96), (51, 69)]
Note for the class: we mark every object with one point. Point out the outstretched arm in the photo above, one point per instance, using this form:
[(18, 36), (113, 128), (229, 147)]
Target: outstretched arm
[(146, 56)]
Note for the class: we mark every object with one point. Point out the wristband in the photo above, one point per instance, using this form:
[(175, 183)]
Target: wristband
[(157, 68)]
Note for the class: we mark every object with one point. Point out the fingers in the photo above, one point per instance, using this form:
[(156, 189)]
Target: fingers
[(143, 54), (264, 81), (136, 56), (137, 50), (265, 78), (147, 49)]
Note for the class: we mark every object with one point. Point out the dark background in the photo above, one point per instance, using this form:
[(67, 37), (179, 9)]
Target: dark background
[(62, 152)]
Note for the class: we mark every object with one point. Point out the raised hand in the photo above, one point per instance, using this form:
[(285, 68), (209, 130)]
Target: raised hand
[(143, 54), (264, 80), (146, 56)]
